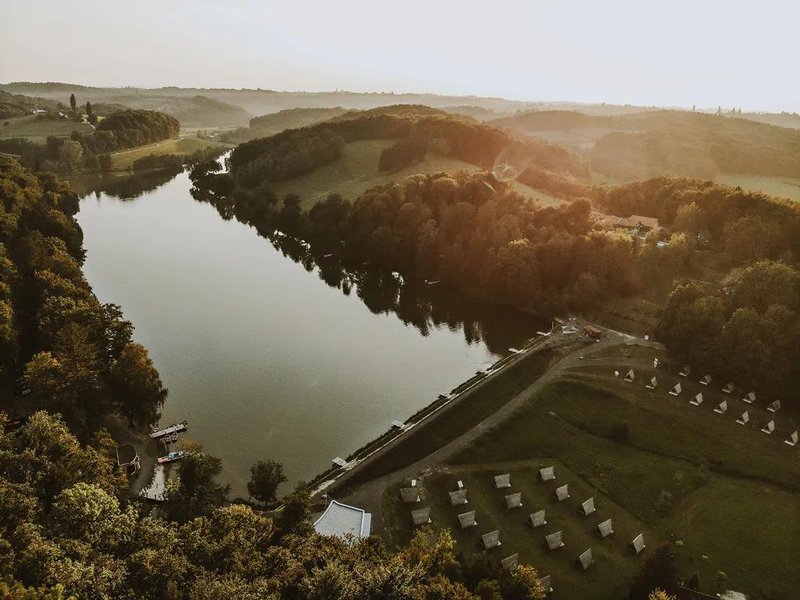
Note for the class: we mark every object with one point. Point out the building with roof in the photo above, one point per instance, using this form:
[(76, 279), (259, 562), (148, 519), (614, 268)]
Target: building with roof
[(547, 473), (128, 459), (458, 497), (467, 519), (342, 520)]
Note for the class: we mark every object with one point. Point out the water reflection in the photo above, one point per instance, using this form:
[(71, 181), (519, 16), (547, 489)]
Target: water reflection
[(124, 187)]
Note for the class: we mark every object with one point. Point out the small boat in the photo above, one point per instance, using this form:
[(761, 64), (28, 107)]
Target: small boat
[(174, 428), (171, 457)]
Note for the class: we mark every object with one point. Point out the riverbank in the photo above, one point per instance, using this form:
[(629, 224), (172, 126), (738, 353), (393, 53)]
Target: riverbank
[(470, 404)]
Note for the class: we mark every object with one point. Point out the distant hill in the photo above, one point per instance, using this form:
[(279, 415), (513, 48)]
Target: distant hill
[(261, 102), (270, 124), (654, 143), (19, 105), (294, 153), (194, 111), (480, 113)]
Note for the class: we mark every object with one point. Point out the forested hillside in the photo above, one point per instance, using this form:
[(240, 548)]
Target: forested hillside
[(76, 355), (545, 166)]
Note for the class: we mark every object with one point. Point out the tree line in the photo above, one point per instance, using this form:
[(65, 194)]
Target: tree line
[(120, 131), (68, 531), (61, 349), (466, 230)]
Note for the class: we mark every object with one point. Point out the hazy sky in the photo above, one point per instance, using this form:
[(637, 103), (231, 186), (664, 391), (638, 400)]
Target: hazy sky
[(666, 52)]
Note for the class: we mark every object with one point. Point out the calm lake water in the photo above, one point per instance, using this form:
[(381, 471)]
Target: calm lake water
[(267, 354)]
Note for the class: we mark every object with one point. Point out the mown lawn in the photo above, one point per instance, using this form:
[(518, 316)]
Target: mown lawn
[(614, 563), (357, 171), (724, 490)]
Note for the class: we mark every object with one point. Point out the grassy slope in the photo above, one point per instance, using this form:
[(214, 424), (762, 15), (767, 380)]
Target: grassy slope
[(780, 187), (357, 171), (471, 410), (37, 130), (181, 146), (661, 476)]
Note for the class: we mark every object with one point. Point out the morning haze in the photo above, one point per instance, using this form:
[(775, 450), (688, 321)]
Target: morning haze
[(679, 53), (431, 300)]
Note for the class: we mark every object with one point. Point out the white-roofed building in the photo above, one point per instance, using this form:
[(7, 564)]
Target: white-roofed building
[(341, 520)]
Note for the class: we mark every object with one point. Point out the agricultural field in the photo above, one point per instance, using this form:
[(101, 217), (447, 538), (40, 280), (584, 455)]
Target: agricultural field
[(182, 146), (720, 491), (780, 187), (37, 129), (357, 171)]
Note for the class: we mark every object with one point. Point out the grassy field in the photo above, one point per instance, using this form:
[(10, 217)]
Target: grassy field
[(728, 492), (781, 187), (357, 171), (614, 563), (123, 161), (37, 129)]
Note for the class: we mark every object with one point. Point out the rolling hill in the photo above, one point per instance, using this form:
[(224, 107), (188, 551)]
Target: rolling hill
[(655, 143)]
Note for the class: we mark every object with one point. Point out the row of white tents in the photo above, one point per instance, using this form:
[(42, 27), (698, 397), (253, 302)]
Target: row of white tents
[(722, 407)]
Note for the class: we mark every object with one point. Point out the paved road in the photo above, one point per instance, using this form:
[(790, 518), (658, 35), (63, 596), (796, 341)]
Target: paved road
[(369, 495)]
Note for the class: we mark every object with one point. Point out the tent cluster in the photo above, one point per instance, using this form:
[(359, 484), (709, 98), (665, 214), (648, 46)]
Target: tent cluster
[(412, 495), (744, 418)]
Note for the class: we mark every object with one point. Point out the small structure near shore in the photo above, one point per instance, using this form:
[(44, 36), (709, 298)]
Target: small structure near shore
[(502, 481), (547, 473), (537, 519), (561, 493), (587, 507), (169, 430), (128, 459), (637, 545), (421, 516), (605, 528), (514, 500), (342, 520), (491, 540), (458, 497), (467, 519), (554, 540), (585, 560), (410, 495), (510, 563)]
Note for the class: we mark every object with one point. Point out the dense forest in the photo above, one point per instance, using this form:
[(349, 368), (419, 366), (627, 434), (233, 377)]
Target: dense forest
[(747, 330), (654, 143), (468, 231), (747, 327), (75, 355), (744, 226)]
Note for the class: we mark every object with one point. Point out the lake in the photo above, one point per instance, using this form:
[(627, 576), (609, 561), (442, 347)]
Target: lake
[(267, 352)]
